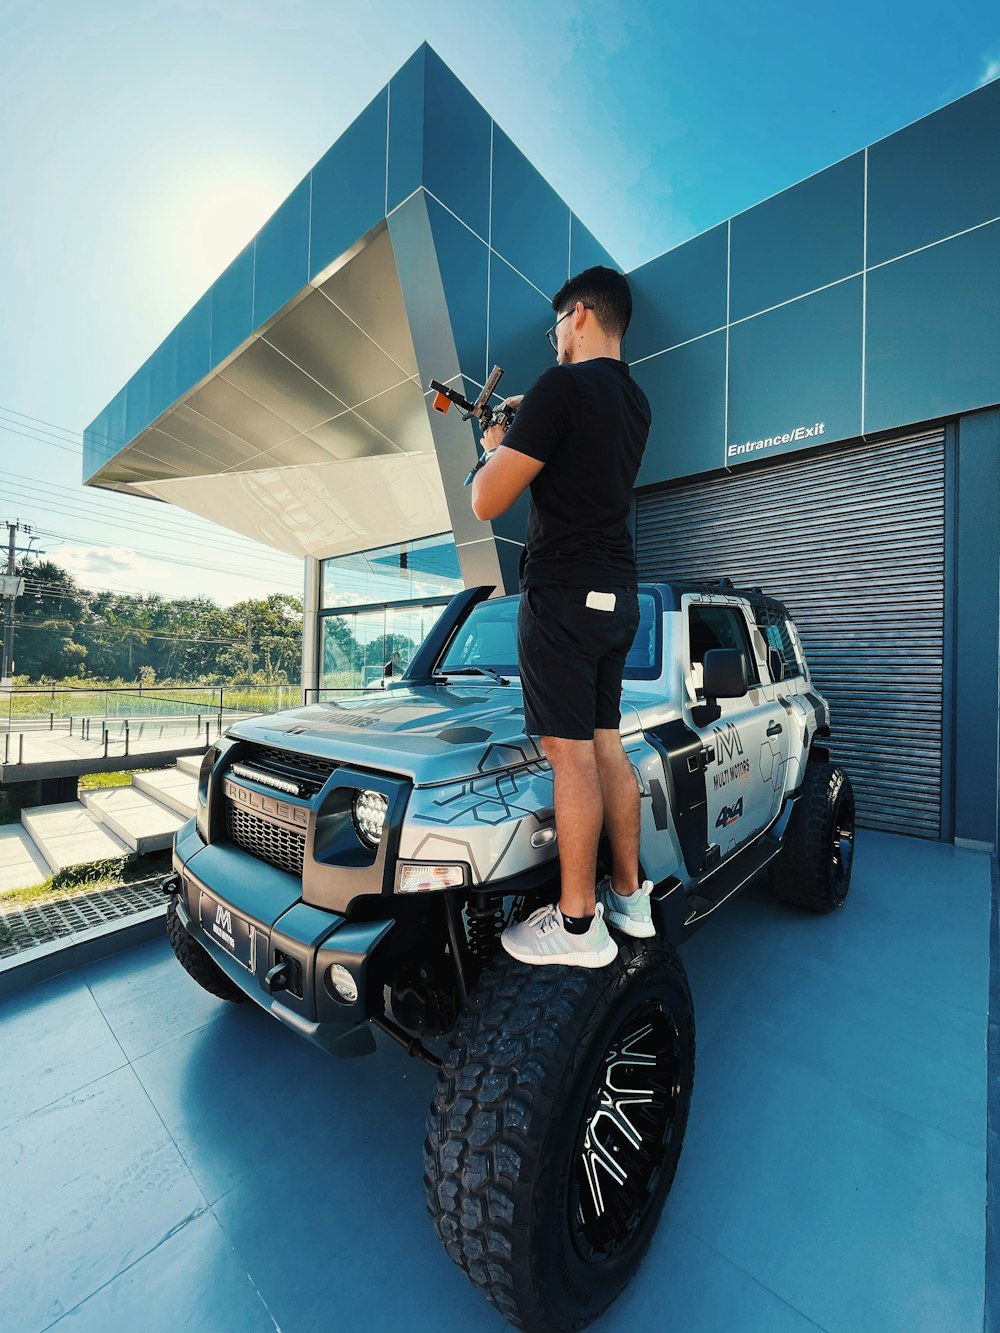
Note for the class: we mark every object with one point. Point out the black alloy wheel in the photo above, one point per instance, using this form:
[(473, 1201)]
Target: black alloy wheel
[(628, 1123)]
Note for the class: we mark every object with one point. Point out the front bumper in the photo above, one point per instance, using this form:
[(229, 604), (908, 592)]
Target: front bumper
[(281, 942)]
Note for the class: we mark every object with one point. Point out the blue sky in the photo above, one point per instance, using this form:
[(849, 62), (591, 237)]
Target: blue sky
[(142, 144)]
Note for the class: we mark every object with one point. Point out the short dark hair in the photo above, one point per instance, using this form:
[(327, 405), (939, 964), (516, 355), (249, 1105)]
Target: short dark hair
[(606, 290)]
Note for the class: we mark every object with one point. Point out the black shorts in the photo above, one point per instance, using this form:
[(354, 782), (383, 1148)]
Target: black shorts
[(571, 658)]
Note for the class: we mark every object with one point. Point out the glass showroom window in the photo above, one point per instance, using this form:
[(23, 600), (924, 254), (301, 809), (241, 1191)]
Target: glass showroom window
[(357, 645), (404, 572), (409, 583)]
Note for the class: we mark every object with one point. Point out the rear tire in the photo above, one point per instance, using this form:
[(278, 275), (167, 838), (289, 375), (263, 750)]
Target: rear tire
[(196, 962), (556, 1127), (814, 868)]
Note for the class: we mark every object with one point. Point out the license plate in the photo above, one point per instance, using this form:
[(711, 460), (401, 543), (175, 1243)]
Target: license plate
[(228, 930)]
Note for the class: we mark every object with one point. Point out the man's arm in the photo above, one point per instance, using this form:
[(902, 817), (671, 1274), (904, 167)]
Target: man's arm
[(496, 486), (541, 422)]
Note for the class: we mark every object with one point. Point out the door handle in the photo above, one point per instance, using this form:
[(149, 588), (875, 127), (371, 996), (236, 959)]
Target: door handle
[(774, 729)]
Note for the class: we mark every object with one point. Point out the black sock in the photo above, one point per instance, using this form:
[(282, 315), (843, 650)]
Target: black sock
[(576, 925)]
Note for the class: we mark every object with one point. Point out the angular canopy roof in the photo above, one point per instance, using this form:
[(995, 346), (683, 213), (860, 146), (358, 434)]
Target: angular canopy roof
[(290, 404)]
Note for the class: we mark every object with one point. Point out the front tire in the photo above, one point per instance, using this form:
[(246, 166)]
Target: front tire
[(814, 868), (196, 962), (556, 1127)]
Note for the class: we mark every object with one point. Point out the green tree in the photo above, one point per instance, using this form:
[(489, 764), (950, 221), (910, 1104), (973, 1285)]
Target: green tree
[(47, 620)]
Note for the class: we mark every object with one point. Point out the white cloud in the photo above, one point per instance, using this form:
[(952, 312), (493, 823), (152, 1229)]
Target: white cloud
[(991, 70), (122, 569), (102, 563)]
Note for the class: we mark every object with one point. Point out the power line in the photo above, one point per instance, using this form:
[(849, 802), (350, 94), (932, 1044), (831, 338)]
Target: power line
[(261, 572), (64, 537), (128, 590), (59, 505), (68, 430), (39, 440), (131, 590), (205, 528), (50, 588), (98, 625), (88, 628), (112, 499)]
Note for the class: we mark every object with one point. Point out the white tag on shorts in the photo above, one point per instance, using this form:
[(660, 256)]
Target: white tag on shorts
[(602, 601)]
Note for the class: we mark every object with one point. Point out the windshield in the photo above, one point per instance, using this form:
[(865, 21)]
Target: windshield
[(488, 638)]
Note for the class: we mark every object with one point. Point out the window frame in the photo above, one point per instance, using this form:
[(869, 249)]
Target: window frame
[(736, 609)]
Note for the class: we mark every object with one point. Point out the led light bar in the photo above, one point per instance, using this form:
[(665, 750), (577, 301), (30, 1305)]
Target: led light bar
[(266, 780)]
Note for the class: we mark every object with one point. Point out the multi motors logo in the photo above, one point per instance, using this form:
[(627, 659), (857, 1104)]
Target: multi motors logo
[(769, 441)]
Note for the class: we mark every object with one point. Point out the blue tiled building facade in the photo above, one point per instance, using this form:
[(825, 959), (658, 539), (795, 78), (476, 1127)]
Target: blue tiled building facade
[(824, 372)]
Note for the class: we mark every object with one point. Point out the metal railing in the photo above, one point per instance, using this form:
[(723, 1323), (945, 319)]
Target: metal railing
[(122, 716), (65, 707)]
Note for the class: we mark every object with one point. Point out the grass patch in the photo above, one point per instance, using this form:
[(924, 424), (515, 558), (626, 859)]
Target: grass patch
[(71, 880), (91, 781), (116, 872)]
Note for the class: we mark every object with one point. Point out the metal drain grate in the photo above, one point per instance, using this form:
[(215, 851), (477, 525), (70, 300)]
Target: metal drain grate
[(42, 923)]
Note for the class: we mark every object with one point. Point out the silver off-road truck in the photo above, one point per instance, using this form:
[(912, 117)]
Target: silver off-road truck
[(352, 863)]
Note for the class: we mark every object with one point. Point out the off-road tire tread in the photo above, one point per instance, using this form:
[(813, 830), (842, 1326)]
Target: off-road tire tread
[(503, 1077), (800, 875), (196, 962)]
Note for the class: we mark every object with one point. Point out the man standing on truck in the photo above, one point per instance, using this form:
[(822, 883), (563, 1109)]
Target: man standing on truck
[(577, 441)]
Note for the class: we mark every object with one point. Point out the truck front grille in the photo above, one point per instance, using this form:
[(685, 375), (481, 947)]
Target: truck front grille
[(276, 844), (305, 771)]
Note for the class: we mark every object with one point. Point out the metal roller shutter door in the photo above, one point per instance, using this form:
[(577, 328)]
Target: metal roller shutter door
[(853, 543)]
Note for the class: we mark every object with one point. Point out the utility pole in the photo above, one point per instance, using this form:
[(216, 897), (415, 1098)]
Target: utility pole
[(12, 587), (249, 647)]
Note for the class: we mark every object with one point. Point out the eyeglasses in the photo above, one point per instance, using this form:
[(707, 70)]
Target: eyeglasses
[(551, 333)]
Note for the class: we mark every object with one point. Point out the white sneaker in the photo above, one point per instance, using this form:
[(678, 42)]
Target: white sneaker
[(542, 939), (631, 915)]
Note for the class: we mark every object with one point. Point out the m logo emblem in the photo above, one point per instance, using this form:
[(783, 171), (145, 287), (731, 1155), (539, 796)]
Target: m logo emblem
[(223, 919), (729, 743)]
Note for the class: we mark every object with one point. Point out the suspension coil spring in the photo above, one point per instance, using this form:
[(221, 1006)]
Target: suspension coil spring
[(484, 920)]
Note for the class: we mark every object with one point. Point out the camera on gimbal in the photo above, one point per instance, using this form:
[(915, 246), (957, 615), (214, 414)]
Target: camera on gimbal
[(486, 414)]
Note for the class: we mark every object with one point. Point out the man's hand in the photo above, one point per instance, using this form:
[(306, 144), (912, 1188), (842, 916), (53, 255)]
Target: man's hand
[(493, 437)]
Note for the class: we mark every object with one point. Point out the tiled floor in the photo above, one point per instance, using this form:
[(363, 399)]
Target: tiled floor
[(168, 1161)]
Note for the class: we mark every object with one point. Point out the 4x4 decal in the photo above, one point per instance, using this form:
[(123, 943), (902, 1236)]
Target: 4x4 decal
[(729, 814)]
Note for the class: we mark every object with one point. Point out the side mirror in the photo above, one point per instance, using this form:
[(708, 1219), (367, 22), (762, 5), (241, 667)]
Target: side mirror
[(725, 674), (387, 669)]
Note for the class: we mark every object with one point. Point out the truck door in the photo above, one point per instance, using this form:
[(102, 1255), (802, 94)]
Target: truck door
[(746, 740)]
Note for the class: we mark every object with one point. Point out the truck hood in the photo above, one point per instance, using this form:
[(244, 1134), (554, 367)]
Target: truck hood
[(429, 733)]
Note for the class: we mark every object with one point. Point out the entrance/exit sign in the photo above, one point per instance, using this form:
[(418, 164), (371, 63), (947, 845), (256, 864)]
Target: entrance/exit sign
[(11, 585)]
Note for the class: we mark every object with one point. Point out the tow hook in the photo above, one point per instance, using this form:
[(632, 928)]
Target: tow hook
[(171, 886), (278, 977)]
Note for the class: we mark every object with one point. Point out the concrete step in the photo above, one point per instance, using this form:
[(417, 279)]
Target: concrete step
[(21, 863), (134, 816), (190, 763), (171, 787), (69, 835)]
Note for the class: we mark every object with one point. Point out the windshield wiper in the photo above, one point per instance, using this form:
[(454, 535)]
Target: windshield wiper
[(474, 671)]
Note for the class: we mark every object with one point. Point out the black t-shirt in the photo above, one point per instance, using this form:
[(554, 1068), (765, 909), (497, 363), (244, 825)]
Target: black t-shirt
[(588, 423)]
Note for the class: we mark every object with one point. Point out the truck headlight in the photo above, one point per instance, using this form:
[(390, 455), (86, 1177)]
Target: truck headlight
[(415, 877), (369, 811)]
